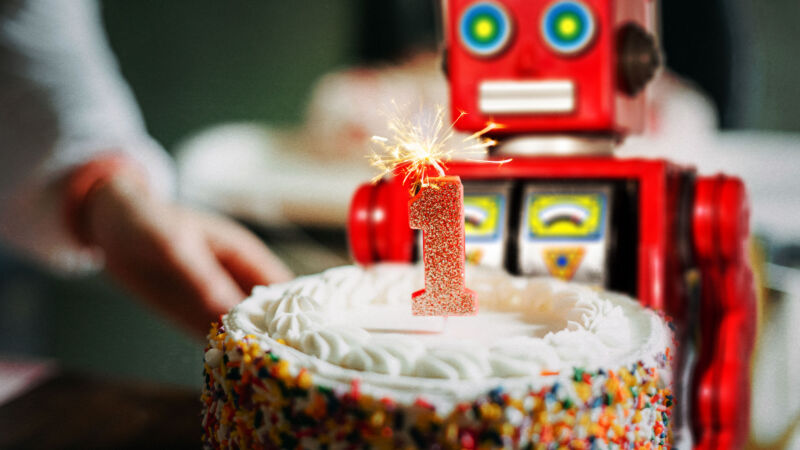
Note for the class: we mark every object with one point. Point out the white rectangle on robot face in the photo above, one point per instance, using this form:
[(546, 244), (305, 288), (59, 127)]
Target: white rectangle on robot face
[(517, 97), (532, 250), (487, 250)]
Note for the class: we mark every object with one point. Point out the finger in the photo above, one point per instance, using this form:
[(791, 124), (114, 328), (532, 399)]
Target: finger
[(203, 288), (197, 265), (246, 257), (165, 289)]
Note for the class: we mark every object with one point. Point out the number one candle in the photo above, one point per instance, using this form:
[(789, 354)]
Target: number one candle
[(416, 147), (438, 210)]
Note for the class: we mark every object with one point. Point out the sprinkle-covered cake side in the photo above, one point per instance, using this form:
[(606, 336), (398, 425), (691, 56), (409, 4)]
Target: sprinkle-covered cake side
[(252, 398)]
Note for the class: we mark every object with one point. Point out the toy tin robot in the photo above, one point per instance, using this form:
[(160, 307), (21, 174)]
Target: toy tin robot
[(565, 81)]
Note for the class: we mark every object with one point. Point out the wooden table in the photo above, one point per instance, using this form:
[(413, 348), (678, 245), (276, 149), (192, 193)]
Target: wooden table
[(79, 411)]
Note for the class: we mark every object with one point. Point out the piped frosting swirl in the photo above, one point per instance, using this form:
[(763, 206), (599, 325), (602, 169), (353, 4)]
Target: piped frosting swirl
[(360, 319)]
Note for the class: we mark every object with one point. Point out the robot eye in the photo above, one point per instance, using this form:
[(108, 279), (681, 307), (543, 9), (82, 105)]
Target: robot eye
[(485, 28), (568, 27)]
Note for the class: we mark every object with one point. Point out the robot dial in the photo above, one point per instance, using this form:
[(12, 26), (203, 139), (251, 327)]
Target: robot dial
[(568, 27), (485, 28)]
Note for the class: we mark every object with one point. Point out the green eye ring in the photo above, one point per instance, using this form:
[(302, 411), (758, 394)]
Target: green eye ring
[(568, 27), (485, 28)]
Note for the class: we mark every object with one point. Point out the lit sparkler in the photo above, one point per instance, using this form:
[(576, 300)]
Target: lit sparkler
[(427, 142)]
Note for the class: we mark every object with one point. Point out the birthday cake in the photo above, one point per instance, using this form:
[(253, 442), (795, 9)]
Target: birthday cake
[(337, 360)]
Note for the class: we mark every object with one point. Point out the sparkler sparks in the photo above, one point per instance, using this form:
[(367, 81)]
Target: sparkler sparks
[(426, 142)]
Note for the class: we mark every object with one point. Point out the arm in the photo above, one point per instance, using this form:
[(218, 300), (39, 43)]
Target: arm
[(190, 266), (83, 182), (62, 103), (727, 314)]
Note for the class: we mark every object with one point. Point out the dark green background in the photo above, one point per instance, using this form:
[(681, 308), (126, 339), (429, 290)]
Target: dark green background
[(198, 63)]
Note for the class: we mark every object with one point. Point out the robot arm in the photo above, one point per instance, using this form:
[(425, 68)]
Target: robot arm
[(727, 314), (377, 225)]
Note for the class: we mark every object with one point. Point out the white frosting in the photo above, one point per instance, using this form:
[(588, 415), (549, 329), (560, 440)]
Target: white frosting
[(352, 319)]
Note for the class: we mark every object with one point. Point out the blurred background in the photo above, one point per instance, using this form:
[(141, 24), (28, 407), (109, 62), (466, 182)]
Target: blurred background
[(241, 93)]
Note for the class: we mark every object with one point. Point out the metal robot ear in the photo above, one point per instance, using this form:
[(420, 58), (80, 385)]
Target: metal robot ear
[(638, 58)]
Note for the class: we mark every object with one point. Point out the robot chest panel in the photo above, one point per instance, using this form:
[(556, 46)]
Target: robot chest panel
[(543, 228)]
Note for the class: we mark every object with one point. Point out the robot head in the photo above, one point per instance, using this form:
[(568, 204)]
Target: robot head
[(550, 66)]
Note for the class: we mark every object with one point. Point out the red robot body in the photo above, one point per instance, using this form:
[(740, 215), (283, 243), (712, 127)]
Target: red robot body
[(649, 228)]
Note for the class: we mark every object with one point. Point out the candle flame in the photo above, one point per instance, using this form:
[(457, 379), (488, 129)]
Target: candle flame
[(429, 142)]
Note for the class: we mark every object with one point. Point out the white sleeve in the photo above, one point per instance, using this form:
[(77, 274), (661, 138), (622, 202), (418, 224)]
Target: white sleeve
[(62, 101)]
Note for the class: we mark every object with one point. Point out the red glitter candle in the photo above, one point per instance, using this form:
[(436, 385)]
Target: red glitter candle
[(438, 210)]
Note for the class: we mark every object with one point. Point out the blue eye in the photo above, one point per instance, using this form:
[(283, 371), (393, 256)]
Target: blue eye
[(568, 26), (485, 28)]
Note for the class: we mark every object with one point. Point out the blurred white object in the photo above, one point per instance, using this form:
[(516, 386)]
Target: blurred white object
[(776, 393), (255, 173), (18, 376), (347, 108)]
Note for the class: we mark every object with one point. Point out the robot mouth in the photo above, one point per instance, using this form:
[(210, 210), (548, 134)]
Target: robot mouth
[(526, 97)]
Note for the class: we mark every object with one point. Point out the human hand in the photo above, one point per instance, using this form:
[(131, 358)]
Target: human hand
[(190, 265)]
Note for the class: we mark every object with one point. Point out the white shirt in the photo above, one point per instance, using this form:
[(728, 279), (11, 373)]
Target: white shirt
[(62, 101)]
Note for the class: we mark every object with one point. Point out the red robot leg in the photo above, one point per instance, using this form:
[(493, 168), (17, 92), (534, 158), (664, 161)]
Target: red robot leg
[(721, 406)]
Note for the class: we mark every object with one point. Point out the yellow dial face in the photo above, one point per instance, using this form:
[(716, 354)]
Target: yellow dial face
[(569, 216), (482, 216)]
